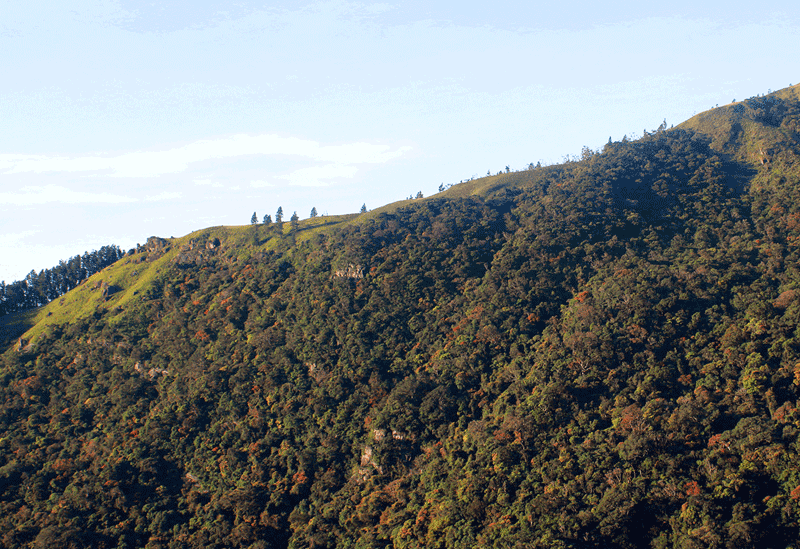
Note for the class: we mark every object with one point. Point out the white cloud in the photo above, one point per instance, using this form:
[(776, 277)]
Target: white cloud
[(156, 163), (35, 195), (15, 239), (163, 196), (315, 176), (259, 183), (209, 183)]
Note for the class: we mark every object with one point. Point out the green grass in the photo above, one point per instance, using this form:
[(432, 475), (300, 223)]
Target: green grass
[(14, 325), (134, 274), (730, 133)]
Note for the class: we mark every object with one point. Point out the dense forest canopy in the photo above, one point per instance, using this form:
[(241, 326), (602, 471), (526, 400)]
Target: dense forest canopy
[(601, 353), (38, 289)]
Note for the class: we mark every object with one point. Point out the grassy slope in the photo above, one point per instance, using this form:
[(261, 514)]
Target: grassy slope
[(132, 275), (733, 130), (738, 137)]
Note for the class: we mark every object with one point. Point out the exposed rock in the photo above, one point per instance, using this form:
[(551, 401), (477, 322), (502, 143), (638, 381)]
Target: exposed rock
[(366, 466), (152, 372), (351, 271), (156, 247), (366, 456), (317, 373), (197, 252), (155, 243)]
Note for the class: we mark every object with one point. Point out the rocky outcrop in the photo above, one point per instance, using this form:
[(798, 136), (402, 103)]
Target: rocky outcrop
[(350, 271), (156, 244), (197, 251), (152, 372)]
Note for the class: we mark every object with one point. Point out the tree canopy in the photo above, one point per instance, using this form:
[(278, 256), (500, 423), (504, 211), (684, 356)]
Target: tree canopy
[(599, 353)]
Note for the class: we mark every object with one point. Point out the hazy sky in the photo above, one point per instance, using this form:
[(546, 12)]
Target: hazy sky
[(121, 120)]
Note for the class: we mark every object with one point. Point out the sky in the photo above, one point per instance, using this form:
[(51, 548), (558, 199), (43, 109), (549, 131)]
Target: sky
[(121, 120)]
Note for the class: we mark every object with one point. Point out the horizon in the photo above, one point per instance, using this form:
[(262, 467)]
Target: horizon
[(126, 121)]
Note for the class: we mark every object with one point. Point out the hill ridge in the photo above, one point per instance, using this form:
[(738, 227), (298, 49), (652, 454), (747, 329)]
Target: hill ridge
[(599, 353)]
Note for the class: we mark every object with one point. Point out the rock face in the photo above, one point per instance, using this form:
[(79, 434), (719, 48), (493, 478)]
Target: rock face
[(197, 251), (155, 243), (350, 271), (155, 247)]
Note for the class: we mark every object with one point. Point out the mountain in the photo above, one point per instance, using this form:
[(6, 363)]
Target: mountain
[(600, 353)]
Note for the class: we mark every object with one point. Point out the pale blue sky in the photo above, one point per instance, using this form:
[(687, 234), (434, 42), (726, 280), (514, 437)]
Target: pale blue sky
[(125, 119)]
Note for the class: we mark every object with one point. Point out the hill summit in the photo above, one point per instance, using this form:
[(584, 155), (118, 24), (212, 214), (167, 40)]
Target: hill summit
[(600, 353)]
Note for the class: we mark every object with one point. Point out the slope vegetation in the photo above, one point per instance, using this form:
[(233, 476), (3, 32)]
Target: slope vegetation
[(602, 353)]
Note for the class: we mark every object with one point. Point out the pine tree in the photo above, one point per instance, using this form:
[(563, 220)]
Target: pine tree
[(279, 220), (364, 208), (254, 219), (294, 223), (314, 212)]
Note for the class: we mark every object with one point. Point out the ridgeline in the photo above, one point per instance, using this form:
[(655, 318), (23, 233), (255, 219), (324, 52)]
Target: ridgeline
[(600, 353)]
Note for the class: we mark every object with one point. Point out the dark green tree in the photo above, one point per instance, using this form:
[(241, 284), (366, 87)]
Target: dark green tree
[(294, 223), (279, 220), (254, 223), (313, 212), (364, 208)]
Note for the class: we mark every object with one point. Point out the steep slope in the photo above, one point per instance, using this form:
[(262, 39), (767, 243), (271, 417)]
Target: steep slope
[(597, 354)]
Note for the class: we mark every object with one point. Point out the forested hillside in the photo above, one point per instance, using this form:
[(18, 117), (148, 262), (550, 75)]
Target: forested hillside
[(602, 353), (37, 289)]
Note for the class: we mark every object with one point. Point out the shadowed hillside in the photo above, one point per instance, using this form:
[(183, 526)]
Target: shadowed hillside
[(601, 353)]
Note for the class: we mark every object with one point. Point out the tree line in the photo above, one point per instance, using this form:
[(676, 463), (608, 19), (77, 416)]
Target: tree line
[(38, 289)]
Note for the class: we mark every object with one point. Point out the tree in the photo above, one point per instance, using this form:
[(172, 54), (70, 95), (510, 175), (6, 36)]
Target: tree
[(364, 208), (254, 223), (441, 187), (267, 219), (314, 212), (279, 220), (294, 222), (419, 194)]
